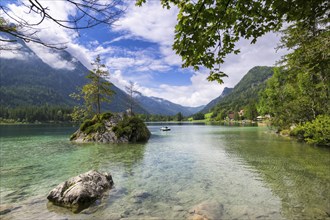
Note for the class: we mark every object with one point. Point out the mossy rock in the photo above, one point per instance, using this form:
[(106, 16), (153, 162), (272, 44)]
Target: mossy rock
[(96, 124), (73, 136), (106, 116), (112, 128), (86, 124), (97, 127), (133, 128)]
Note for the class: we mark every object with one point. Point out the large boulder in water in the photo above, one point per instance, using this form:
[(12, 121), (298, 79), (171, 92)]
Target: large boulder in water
[(81, 191), (207, 210), (112, 128)]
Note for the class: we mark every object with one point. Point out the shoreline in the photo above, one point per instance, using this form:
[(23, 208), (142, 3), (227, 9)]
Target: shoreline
[(37, 123)]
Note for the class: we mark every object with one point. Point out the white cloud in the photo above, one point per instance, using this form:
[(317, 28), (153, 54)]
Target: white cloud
[(200, 92), (170, 57), (120, 63), (93, 43), (84, 55), (20, 55), (262, 53), (136, 61), (51, 57), (12, 50), (156, 24), (123, 37), (153, 23), (50, 32), (47, 30)]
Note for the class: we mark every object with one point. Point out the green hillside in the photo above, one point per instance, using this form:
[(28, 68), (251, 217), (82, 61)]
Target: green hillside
[(245, 93)]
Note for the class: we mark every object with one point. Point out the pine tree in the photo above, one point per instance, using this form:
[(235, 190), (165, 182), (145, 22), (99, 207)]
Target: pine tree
[(94, 93)]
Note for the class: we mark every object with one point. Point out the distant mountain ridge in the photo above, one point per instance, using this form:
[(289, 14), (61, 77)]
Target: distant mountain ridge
[(31, 82), (159, 106), (214, 102)]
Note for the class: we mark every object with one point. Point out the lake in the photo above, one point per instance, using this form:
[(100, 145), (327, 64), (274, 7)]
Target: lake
[(252, 172)]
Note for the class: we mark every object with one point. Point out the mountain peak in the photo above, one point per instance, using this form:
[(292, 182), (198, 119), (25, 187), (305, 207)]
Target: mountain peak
[(213, 103)]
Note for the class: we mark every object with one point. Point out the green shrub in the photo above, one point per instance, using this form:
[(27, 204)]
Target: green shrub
[(298, 132), (98, 127), (96, 118), (96, 123), (123, 128), (87, 123), (285, 132), (132, 127), (318, 131), (106, 116), (315, 132)]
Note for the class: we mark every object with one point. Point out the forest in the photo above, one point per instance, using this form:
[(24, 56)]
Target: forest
[(35, 114)]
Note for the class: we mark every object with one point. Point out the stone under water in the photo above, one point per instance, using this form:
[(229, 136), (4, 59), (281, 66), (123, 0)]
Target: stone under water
[(80, 192), (207, 210)]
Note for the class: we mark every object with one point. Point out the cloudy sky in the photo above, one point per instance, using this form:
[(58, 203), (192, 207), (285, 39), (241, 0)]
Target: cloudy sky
[(138, 48)]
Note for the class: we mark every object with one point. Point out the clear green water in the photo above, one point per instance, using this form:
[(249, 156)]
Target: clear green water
[(253, 173)]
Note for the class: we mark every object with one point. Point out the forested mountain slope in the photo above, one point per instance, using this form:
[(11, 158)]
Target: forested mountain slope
[(246, 92)]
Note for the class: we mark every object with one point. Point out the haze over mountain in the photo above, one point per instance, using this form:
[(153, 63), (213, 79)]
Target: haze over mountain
[(159, 106), (28, 81)]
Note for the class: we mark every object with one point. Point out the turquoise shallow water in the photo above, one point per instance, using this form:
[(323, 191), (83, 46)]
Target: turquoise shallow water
[(253, 173)]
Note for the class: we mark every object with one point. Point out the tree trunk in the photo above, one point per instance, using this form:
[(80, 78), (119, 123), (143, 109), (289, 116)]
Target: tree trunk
[(98, 96)]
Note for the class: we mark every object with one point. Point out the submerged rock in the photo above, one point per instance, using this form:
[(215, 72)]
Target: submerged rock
[(178, 208), (328, 212), (81, 191), (139, 196), (207, 210), (112, 128), (4, 208)]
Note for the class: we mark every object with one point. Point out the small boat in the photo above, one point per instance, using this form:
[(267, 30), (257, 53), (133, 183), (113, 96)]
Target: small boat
[(165, 128)]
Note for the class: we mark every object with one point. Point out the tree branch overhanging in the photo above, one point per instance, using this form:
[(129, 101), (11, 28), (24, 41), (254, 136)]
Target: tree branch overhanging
[(88, 14)]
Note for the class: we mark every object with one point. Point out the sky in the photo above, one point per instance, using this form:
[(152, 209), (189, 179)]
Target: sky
[(138, 48)]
